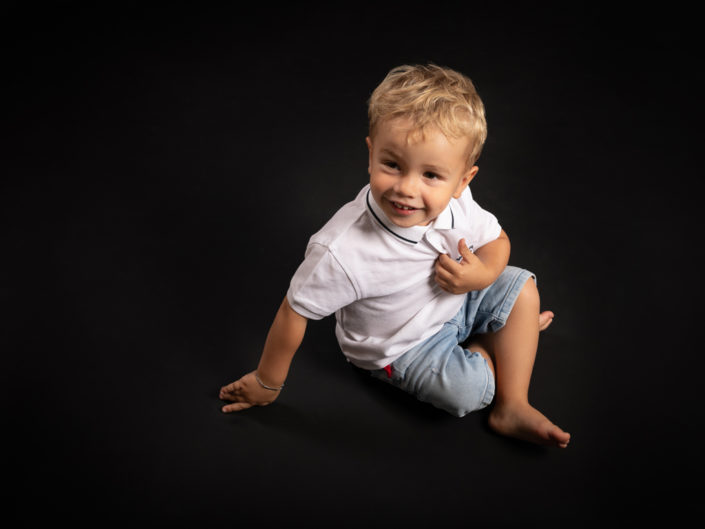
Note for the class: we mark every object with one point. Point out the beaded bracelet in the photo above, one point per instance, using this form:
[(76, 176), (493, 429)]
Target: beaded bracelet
[(265, 386)]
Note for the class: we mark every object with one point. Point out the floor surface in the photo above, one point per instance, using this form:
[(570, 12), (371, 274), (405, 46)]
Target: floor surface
[(165, 168)]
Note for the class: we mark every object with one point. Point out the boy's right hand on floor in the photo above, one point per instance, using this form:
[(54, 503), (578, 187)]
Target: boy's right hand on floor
[(245, 393)]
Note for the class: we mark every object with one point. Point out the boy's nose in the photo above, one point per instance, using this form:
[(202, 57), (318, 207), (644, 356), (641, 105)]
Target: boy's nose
[(407, 185)]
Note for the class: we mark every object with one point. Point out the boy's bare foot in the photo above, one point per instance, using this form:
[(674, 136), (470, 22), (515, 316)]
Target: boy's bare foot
[(545, 319), (523, 421)]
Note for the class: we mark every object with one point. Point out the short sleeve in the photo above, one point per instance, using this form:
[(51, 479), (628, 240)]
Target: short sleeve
[(320, 286), (483, 225)]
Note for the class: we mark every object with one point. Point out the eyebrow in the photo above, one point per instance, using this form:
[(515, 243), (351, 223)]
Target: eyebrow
[(389, 152), (437, 169)]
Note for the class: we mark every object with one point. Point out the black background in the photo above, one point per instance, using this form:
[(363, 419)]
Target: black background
[(164, 167)]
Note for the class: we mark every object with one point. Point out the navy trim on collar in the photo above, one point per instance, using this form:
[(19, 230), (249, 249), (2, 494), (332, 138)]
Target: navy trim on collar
[(383, 224)]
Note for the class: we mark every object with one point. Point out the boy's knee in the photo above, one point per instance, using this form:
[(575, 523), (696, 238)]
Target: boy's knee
[(529, 294), (479, 345), (462, 389), (468, 401)]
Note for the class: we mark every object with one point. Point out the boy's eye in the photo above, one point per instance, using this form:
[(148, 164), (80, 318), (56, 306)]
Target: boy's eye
[(431, 175), (391, 164)]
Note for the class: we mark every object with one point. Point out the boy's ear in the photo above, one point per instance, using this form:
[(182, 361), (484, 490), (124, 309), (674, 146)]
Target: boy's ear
[(465, 180), (368, 141)]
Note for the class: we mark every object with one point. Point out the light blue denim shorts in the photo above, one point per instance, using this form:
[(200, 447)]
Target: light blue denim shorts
[(439, 371)]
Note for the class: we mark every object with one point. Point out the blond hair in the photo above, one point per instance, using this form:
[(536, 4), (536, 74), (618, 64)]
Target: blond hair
[(431, 96)]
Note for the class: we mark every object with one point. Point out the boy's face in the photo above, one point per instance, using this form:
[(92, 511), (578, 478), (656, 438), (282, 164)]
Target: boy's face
[(413, 180)]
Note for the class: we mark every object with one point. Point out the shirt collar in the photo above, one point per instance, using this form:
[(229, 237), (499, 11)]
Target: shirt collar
[(446, 220), (413, 234)]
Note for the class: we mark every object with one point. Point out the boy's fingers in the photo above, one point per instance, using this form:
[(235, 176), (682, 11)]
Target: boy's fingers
[(443, 278), (441, 272), (446, 262), (230, 390), (464, 250), (236, 407), (445, 273)]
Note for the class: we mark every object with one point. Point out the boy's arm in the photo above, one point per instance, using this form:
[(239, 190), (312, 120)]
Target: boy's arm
[(477, 270), (285, 336)]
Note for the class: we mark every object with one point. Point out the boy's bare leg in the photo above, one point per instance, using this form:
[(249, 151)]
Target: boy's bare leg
[(513, 350)]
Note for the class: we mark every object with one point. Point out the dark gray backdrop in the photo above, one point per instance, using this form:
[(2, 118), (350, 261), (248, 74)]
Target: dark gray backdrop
[(164, 169)]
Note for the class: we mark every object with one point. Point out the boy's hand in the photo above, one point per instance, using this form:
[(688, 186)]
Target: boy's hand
[(245, 393), (465, 276)]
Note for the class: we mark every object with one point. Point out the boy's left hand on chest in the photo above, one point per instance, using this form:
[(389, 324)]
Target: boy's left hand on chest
[(470, 273)]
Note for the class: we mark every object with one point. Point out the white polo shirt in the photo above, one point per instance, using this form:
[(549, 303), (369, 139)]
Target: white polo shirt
[(378, 278)]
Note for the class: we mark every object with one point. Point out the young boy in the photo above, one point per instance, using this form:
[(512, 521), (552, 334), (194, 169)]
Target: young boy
[(413, 268)]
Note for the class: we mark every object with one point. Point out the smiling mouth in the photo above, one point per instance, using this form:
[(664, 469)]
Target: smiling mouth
[(402, 206)]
